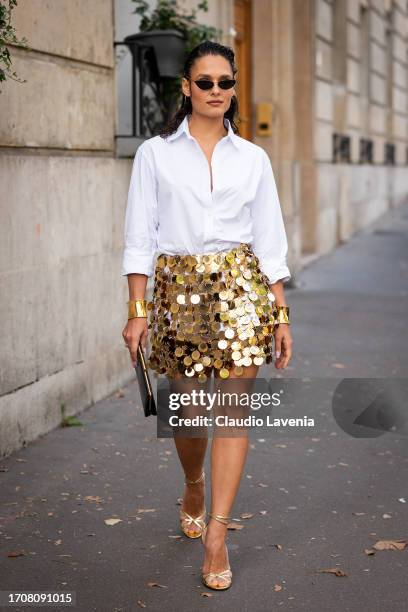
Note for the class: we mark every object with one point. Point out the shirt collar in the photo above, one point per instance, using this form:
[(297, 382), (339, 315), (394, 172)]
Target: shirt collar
[(184, 128)]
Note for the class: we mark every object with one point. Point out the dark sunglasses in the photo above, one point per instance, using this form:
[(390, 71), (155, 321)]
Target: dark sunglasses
[(206, 84)]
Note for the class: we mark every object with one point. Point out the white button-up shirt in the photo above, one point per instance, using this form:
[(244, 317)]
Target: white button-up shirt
[(172, 209)]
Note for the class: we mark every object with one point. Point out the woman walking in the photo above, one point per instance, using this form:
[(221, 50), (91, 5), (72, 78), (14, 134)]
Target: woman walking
[(205, 199)]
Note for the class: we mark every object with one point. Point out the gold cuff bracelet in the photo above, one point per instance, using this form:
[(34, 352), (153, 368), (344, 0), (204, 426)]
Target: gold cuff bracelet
[(136, 308), (283, 314)]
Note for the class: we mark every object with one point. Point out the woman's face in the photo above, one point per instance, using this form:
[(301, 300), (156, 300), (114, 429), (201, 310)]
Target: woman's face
[(214, 68)]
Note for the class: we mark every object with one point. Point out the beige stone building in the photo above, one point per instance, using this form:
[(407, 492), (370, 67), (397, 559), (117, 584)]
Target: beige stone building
[(322, 87)]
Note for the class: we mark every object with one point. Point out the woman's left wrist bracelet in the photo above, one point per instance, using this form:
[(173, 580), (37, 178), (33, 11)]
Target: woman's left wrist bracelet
[(136, 308), (282, 314)]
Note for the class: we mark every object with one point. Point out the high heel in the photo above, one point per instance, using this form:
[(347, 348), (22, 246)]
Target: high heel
[(226, 574), (186, 519)]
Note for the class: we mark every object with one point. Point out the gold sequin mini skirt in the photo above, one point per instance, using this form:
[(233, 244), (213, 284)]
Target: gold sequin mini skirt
[(213, 310)]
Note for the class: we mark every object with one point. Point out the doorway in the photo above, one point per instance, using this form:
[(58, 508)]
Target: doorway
[(243, 59)]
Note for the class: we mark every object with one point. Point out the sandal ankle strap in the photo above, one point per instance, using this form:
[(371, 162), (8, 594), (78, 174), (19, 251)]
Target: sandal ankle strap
[(188, 482), (221, 519)]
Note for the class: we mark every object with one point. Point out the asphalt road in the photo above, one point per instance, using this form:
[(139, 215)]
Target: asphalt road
[(320, 499)]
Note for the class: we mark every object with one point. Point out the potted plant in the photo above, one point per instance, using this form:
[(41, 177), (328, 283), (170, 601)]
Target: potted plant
[(171, 31)]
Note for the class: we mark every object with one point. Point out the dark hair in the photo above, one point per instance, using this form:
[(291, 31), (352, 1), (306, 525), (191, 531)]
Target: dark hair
[(207, 47)]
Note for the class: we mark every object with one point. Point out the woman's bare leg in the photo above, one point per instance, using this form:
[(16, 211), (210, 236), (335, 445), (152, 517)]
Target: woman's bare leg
[(191, 452), (228, 456)]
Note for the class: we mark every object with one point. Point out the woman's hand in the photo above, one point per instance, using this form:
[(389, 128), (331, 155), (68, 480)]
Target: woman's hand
[(135, 332), (283, 345)]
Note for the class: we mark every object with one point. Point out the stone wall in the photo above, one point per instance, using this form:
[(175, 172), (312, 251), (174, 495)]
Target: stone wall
[(361, 91), (63, 300)]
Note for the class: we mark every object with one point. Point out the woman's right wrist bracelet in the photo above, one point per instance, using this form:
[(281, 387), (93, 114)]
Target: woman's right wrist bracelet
[(136, 308)]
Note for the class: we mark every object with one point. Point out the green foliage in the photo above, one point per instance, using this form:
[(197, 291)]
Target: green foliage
[(169, 16), (68, 421), (7, 37)]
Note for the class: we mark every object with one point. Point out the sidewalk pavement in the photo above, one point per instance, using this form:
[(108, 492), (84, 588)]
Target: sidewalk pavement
[(318, 501)]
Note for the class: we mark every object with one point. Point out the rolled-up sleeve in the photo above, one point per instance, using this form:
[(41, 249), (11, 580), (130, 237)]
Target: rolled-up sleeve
[(270, 243), (141, 219)]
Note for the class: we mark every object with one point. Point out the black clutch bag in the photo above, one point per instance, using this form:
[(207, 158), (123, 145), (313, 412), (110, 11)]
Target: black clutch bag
[(145, 387)]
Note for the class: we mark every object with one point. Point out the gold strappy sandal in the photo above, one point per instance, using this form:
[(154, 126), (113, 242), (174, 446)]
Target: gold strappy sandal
[(226, 574), (186, 519)]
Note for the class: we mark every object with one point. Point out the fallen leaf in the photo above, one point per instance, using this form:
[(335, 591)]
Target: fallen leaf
[(17, 553), (338, 365), (261, 484), (156, 584), (277, 587), (246, 515), (141, 603), (386, 516), (93, 498), (112, 521), (369, 551), (390, 545), (235, 526), (333, 570)]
